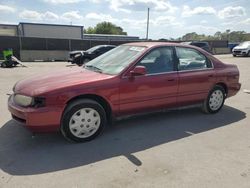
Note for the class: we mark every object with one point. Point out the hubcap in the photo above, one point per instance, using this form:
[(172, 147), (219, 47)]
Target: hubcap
[(216, 100), (84, 123)]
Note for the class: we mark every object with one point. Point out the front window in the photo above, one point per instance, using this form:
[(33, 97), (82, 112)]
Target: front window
[(92, 49), (116, 60), (244, 44), (159, 60)]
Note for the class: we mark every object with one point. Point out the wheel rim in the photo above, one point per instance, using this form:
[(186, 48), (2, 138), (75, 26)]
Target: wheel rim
[(85, 122), (86, 60), (216, 100)]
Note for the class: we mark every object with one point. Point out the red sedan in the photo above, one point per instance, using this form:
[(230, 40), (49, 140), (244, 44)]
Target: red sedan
[(132, 78)]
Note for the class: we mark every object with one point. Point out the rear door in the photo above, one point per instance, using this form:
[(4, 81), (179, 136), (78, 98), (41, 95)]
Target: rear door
[(196, 76)]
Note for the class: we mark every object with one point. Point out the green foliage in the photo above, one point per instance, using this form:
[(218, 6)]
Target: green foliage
[(231, 36), (105, 28)]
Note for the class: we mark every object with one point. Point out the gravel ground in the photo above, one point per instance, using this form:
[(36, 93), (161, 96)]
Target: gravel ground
[(184, 148)]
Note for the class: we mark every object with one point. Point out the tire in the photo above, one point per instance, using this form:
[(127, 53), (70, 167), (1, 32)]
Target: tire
[(77, 126), (86, 60), (234, 55), (215, 100), (3, 64)]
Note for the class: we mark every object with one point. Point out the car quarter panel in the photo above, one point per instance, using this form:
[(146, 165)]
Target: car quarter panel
[(229, 75)]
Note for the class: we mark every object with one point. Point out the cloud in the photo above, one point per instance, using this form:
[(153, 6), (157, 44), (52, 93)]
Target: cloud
[(6, 9), (203, 22), (62, 1), (72, 15), (187, 11), (100, 17), (36, 16), (139, 5), (30, 15), (246, 21), (166, 21), (161, 21), (50, 16), (201, 29), (231, 12), (134, 24)]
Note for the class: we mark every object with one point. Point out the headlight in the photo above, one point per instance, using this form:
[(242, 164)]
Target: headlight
[(78, 55), (23, 100)]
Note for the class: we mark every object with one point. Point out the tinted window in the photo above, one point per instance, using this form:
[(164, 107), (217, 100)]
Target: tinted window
[(191, 59), (158, 60)]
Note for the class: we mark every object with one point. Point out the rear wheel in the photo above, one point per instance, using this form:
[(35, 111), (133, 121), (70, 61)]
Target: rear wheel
[(83, 120), (215, 100)]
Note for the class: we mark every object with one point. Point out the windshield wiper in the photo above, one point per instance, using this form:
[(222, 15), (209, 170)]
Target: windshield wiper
[(94, 68)]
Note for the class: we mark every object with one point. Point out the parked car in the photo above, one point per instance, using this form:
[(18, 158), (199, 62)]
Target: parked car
[(201, 44), (243, 49), (132, 78), (81, 57), (231, 45)]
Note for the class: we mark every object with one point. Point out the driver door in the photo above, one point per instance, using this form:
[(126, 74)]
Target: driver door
[(156, 89)]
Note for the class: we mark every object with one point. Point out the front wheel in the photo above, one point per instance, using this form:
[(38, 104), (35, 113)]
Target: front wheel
[(86, 60), (215, 100), (83, 120)]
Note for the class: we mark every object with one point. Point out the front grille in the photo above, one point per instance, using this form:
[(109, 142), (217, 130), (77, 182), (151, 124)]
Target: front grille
[(237, 52)]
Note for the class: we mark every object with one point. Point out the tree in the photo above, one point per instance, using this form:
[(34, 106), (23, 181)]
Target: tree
[(90, 30), (231, 36), (106, 28)]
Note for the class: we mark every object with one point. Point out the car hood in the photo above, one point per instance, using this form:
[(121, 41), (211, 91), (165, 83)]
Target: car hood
[(76, 52), (66, 78), (240, 47)]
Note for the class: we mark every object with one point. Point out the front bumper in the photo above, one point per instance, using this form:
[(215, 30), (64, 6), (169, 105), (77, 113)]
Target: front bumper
[(240, 52), (44, 119), (70, 60)]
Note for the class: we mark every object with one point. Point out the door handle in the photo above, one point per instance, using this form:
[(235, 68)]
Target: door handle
[(171, 80), (210, 75)]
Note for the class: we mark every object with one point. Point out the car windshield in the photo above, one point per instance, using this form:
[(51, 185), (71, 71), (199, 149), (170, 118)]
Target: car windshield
[(116, 60), (244, 44), (93, 49)]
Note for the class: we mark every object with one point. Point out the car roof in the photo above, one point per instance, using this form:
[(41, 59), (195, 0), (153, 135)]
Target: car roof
[(104, 45), (161, 44), (150, 44), (158, 44)]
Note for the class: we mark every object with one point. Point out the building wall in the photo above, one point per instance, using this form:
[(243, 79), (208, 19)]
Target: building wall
[(8, 30), (51, 31), (44, 55)]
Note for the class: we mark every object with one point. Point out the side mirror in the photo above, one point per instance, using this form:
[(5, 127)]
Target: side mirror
[(138, 71)]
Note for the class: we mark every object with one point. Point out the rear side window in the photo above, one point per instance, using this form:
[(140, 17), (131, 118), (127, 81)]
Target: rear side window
[(200, 44), (191, 59)]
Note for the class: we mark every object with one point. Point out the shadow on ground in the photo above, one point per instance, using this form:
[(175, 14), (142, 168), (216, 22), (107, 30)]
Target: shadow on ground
[(22, 154)]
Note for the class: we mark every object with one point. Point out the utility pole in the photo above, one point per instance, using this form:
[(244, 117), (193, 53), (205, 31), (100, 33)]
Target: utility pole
[(147, 25)]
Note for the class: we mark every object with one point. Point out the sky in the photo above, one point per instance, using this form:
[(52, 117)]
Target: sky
[(168, 18)]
